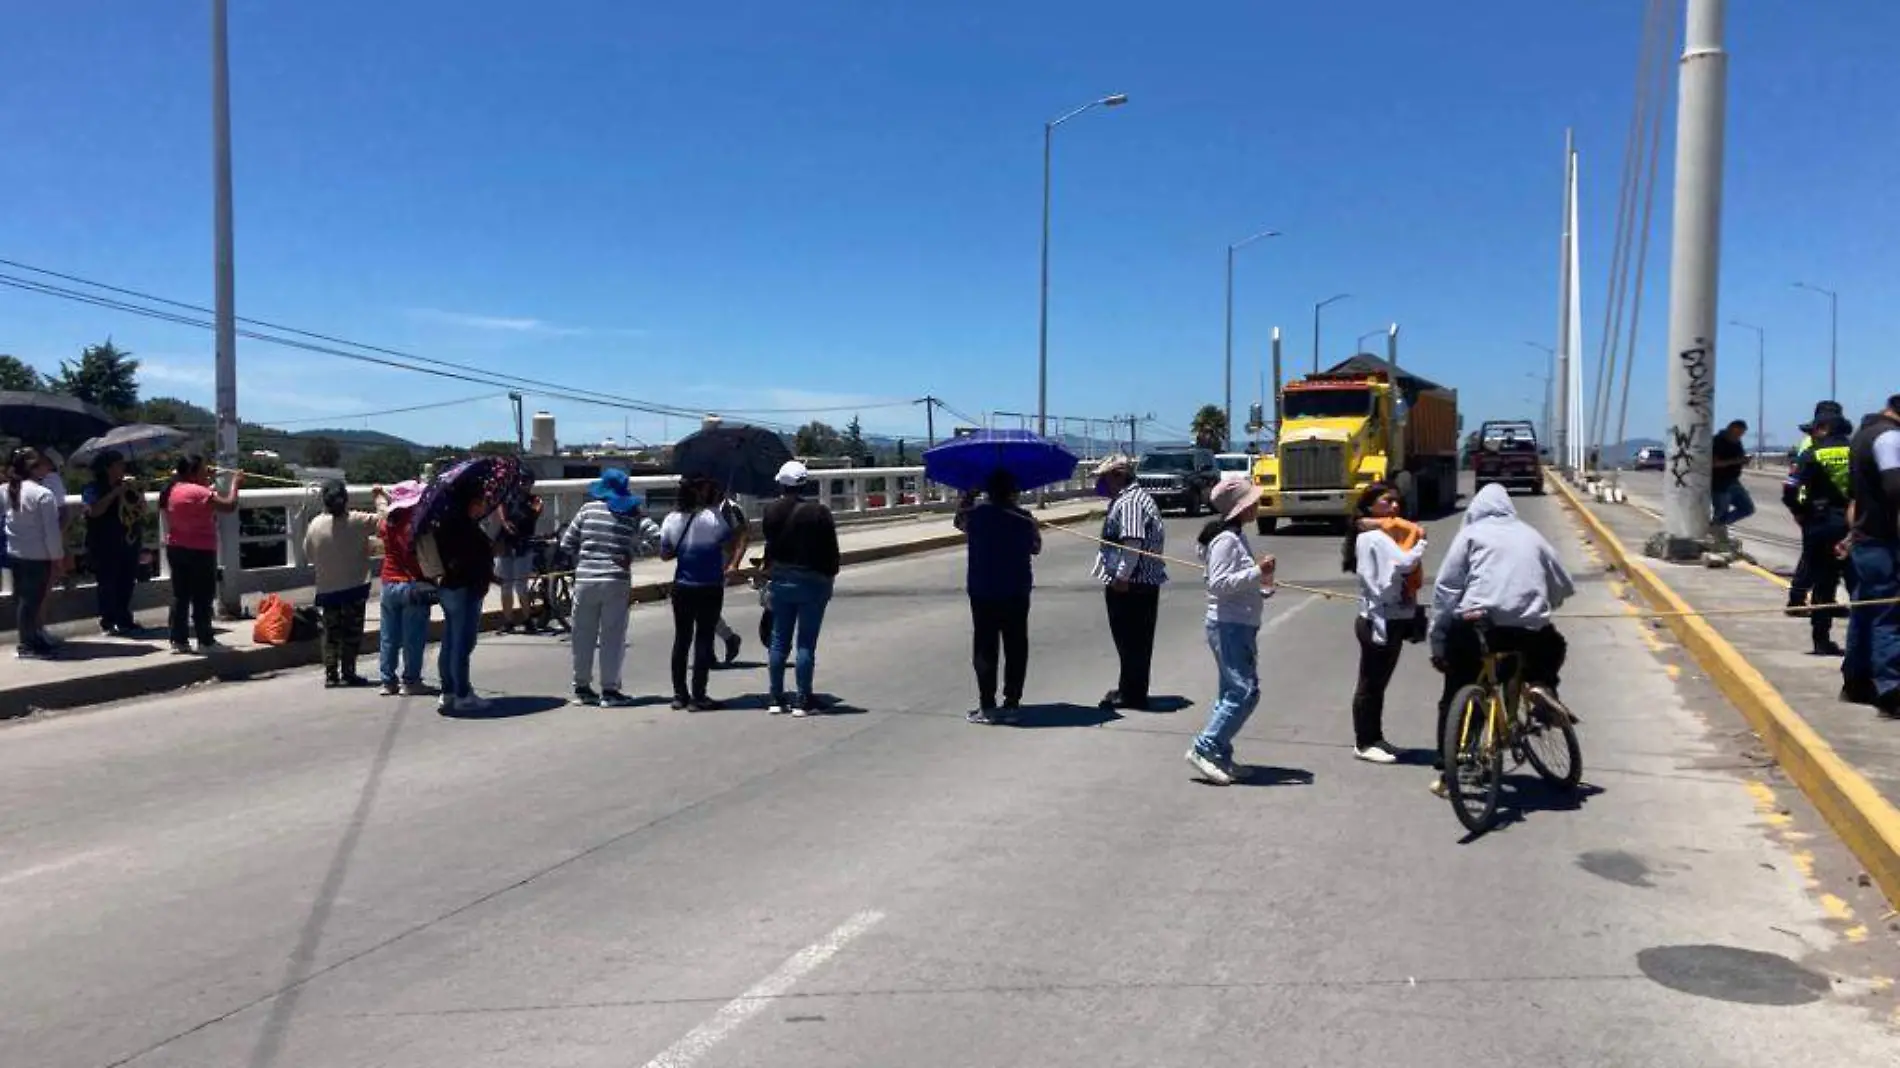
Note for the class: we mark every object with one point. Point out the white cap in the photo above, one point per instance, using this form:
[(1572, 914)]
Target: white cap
[(793, 473)]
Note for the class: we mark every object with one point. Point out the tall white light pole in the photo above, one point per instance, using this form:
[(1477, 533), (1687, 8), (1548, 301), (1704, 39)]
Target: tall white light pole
[(1833, 337), (1761, 383), (1231, 249), (225, 312), (1550, 386), (1042, 345), (1694, 267), (1317, 308)]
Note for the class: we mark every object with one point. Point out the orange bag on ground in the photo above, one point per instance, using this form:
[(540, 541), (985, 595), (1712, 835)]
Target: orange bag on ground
[(275, 616)]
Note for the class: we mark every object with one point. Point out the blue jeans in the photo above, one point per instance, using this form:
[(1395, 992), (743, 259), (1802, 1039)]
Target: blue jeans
[(405, 631), (462, 616), (1236, 649), (798, 604), (1732, 504), (1873, 633)]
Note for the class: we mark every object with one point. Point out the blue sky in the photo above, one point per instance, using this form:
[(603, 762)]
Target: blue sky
[(762, 205)]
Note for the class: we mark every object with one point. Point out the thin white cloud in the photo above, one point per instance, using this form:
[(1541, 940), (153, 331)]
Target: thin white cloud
[(509, 324)]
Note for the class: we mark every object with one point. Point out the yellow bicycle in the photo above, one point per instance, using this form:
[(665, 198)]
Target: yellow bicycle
[(1493, 717)]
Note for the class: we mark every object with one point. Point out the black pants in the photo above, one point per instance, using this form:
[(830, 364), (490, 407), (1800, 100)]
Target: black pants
[(1131, 619), (32, 581), (1376, 665), (1819, 535), (115, 571), (1002, 620), (695, 622), (194, 587), (1801, 583), (1542, 651)]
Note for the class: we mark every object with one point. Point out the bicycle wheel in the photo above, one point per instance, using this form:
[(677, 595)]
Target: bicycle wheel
[(1474, 759), (1554, 751)]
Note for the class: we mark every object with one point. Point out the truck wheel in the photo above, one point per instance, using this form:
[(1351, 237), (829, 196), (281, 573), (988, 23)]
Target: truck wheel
[(1267, 524)]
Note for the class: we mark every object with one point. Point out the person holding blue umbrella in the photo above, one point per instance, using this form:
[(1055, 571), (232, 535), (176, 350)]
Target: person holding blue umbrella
[(1002, 540)]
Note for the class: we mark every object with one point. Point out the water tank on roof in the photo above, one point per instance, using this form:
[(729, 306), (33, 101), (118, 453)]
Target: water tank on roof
[(542, 443)]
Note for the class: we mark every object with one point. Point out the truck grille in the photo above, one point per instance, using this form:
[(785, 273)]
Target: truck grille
[(1313, 465)]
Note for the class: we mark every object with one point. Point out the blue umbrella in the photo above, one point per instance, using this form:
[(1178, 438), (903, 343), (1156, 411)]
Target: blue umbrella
[(967, 463)]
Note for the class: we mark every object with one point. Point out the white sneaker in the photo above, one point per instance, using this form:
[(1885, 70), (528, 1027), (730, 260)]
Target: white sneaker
[(472, 703), (1377, 753), (1210, 770)]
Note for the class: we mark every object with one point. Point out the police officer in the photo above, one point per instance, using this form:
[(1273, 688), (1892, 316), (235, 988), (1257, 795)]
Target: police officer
[(1824, 413), (1817, 492)]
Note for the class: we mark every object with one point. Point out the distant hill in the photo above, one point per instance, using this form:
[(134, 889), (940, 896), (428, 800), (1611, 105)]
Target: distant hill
[(201, 421), (360, 439)]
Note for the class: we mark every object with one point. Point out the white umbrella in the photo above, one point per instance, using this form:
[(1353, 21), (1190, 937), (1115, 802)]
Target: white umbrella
[(134, 441)]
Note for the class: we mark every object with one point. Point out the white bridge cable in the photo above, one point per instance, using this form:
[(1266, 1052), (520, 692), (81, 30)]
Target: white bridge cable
[(1660, 72)]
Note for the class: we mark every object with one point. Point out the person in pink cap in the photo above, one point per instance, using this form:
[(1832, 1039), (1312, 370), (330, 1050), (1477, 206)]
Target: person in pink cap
[(407, 598)]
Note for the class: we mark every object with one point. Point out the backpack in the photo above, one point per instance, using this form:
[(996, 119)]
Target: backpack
[(429, 558), (275, 620)]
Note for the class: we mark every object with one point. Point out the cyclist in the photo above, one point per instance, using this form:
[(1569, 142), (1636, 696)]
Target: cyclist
[(1500, 569)]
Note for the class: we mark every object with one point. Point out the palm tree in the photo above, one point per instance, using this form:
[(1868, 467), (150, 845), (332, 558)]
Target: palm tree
[(1210, 427)]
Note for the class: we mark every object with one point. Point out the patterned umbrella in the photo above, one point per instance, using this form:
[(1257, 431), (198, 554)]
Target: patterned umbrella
[(491, 478)]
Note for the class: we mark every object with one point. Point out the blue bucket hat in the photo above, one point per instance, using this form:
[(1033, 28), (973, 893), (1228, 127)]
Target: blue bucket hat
[(611, 489)]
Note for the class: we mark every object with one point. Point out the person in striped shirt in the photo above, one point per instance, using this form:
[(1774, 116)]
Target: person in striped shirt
[(1130, 566), (602, 540)]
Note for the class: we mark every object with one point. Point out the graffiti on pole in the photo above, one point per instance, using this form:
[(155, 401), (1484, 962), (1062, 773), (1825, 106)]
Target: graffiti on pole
[(1685, 440)]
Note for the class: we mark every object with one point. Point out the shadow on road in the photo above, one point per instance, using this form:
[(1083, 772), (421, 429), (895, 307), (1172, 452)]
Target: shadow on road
[(512, 707), (1527, 794), (1268, 775), (1063, 714)]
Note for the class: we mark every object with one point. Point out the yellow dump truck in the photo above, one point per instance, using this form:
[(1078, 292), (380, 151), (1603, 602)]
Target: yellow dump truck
[(1361, 422)]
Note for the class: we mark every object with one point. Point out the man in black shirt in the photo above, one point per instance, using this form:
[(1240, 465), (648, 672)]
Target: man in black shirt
[(1731, 500), (1872, 670)]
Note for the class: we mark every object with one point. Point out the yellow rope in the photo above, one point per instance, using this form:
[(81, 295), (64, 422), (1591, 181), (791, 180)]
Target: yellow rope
[(1335, 595)]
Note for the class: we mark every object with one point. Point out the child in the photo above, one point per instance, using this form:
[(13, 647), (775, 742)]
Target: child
[(337, 544), (1237, 586)]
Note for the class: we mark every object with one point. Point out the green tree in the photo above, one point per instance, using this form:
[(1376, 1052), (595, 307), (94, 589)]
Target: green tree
[(384, 466), (17, 376), (495, 448), (105, 375), (1210, 427), (180, 414), (818, 439), (854, 440), (322, 451)]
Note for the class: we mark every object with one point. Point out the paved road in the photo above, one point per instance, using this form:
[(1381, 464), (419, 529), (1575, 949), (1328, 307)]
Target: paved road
[(266, 875), (1769, 536)]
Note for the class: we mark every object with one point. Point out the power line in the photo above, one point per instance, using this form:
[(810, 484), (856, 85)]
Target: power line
[(385, 412)]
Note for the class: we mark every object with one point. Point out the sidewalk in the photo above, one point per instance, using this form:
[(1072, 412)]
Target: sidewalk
[(95, 669), (1846, 758)]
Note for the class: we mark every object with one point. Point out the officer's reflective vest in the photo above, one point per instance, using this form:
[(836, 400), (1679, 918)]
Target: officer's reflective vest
[(1834, 459)]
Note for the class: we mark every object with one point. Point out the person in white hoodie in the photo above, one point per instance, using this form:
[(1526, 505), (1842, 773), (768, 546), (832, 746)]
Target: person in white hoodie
[(1502, 570), (1237, 586), (1388, 613)]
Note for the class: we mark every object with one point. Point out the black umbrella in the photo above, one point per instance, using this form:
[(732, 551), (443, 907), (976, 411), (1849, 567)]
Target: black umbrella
[(50, 418), (742, 459)]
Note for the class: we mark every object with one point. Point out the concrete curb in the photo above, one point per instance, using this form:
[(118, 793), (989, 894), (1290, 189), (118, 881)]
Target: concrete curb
[(166, 672), (1866, 821)]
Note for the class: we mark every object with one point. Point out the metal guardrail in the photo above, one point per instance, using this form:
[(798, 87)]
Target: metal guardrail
[(272, 521)]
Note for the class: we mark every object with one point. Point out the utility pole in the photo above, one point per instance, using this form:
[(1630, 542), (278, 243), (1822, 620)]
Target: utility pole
[(1560, 438), (1694, 269), (930, 421), (1278, 382), (230, 564)]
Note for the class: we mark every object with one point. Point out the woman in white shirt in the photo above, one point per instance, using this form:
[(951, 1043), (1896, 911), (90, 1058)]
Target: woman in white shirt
[(36, 547), (1387, 613), (1237, 585)]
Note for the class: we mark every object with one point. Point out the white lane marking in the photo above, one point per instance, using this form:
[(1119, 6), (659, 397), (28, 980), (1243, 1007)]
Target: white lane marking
[(1282, 617), (52, 866), (703, 1038)]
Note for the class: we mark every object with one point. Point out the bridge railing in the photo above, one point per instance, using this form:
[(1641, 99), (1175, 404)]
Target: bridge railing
[(271, 522)]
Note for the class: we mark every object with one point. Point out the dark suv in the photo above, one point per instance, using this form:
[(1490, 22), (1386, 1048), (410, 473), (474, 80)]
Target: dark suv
[(1181, 478)]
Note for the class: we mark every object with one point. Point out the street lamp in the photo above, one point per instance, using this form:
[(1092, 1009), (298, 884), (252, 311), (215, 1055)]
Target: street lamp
[(1316, 311), (1042, 355), (1359, 345), (1231, 249), (1550, 379), (1833, 335), (1761, 383)]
